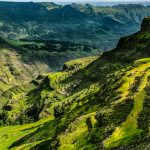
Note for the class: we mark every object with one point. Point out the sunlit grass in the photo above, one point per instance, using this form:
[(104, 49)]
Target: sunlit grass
[(129, 129), (10, 134)]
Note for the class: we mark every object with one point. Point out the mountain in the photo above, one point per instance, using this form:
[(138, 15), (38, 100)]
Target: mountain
[(95, 26), (93, 103)]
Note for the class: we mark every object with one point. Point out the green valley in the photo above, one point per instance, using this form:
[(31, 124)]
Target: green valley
[(93, 103)]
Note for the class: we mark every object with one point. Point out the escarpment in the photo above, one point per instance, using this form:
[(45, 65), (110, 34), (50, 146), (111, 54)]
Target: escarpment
[(146, 24)]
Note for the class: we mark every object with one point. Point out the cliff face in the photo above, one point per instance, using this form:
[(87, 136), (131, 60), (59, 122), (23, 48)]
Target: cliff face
[(146, 24), (133, 47)]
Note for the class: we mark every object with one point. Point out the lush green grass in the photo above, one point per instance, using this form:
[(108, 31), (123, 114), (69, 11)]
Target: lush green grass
[(129, 129), (12, 134), (77, 119), (79, 63)]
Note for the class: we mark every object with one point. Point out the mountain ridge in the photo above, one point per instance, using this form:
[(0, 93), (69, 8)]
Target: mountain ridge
[(74, 22)]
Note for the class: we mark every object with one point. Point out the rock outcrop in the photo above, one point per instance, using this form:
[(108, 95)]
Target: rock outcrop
[(146, 24)]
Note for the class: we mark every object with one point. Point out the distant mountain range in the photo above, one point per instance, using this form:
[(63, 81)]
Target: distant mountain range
[(85, 24), (107, 3)]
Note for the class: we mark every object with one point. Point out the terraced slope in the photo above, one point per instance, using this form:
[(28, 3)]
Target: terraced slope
[(12, 70), (23, 61), (101, 105)]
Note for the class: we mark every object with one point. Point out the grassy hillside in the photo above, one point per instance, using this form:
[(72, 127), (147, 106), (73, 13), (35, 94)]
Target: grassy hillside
[(101, 105), (23, 61)]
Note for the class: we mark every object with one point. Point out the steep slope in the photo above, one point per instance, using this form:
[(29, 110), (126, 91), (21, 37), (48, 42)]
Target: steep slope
[(85, 24), (23, 61), (101, 105), (12, 70)]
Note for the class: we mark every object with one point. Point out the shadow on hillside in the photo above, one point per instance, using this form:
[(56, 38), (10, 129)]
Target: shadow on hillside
[(40, 131)]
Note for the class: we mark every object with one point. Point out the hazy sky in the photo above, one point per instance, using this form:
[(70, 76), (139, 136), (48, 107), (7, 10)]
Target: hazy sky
[(80, 0), (97, 2)]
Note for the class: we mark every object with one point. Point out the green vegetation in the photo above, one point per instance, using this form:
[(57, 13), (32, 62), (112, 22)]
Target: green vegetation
[(50, 55), (83, 108), (93, 103), (78, 63), (129, 128)]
